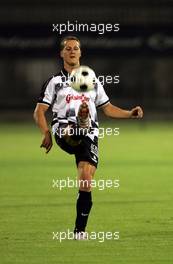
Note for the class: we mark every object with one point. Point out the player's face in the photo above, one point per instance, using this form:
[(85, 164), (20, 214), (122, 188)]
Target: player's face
[(71, 53)]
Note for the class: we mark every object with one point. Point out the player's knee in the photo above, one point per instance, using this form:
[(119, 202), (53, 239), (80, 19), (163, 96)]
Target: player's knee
[(85, 181)]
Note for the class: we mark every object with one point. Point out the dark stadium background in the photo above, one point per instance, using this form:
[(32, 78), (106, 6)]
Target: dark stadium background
[(140, 53)]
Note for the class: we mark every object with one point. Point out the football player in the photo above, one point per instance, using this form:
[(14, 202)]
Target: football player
[(73, 111)]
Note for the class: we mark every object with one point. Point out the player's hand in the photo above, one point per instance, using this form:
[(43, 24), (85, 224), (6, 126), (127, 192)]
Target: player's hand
[(137, 112), (47, 142)]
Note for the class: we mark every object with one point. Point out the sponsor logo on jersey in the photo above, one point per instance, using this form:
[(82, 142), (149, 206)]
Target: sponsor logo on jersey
[(81, 97)]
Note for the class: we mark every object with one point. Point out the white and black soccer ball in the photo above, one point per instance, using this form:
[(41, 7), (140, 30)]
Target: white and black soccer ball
[(82, 79)]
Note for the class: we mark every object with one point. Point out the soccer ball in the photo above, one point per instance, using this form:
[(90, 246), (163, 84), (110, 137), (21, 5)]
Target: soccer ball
[(82, 79)]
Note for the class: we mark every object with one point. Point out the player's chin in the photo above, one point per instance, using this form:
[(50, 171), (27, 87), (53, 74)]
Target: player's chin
[(73, 62)]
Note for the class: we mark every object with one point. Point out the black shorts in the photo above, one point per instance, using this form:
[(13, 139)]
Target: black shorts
[(87, 150)]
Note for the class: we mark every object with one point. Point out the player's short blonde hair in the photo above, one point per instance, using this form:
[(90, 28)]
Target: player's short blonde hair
[(64, 40)]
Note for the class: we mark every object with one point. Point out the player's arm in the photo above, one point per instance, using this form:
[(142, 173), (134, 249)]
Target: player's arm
[(116, 112), (40, 119)]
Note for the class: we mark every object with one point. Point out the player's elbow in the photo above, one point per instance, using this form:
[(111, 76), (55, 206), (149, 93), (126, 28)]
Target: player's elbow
[(107, 113), (35, 115), (39, 112), (107, 110)]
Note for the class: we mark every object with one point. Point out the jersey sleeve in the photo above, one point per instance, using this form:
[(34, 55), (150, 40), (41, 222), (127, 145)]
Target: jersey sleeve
[(101, 98), (47, 92)]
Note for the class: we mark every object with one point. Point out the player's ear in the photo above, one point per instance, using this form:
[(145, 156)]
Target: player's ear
[(61, 54)]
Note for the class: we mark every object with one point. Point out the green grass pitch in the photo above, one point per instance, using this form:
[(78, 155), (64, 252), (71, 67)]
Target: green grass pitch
[(141, 157)]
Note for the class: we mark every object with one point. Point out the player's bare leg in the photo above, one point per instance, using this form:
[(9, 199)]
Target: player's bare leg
[(85, 175), (83, 116), (84, 202)]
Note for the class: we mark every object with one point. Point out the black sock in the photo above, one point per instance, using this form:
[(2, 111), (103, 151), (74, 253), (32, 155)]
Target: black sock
[(83, 207)]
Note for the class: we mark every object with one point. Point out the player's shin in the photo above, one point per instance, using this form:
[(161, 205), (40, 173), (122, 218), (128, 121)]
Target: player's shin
[(83, 207)]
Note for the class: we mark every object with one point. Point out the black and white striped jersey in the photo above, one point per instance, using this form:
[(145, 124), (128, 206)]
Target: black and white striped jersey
[(65, 101)]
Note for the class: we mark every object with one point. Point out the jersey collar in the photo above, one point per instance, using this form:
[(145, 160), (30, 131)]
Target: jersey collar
[(64, 72)]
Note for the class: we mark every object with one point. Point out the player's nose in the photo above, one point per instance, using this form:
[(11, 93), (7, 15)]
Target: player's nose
[(73, 51)]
